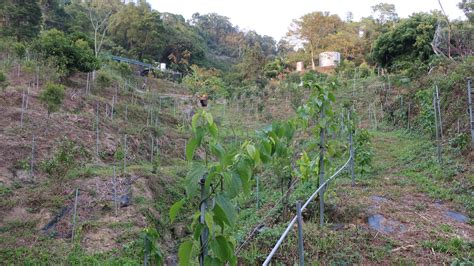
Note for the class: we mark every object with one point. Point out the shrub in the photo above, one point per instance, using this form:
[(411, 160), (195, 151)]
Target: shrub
[(52, 96), (103, 80), (68, 156), (20, 49), (122, 68), (460, 142), (67, 54), (206, 81), (3, 81)]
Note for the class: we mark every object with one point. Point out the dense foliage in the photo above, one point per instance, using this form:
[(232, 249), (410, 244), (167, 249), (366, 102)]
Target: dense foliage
[(409, 42), (67, 53)]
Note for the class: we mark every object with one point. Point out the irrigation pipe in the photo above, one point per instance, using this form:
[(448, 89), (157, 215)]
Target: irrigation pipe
[(290, 225)]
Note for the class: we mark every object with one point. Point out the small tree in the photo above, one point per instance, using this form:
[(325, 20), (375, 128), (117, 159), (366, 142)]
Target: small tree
[(52, 96)]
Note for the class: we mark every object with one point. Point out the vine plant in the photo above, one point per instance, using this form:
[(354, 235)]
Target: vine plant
[(317, 117), (222, 175)]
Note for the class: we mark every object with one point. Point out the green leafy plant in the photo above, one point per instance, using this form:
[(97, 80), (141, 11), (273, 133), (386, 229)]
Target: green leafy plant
[(156, 164), (363, 151), (23, 164), (276, 149), (52, 96), (222, 175), (317, 117), (20, 49), (151, 249), (3, 81), (206, 81), (67, 54), (103, 80), (69, 155), (460, 142)]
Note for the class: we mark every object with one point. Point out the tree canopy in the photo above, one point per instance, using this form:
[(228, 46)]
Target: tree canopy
[(313, 28), (408, 40)]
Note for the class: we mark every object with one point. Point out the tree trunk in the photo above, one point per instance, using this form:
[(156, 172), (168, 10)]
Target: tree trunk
[(313, 66)]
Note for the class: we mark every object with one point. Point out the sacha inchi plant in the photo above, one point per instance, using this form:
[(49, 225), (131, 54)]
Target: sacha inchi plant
[(363, 151), (221, 176)]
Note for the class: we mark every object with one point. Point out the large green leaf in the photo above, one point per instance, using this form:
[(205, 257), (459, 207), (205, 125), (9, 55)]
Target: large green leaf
[(190, 148), (208, 217), (251, 151), (331, 96), (213, 130), (193, 177), (322, 122), (197, 231), (224, 210), (194, 121), (218, 151), (209, 118), (175, 209), (267, 146), (232, 184), (221, 248), (184, 253), (245, 173), (211, 261)]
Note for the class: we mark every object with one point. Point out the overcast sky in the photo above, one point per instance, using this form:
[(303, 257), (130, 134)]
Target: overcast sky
[(273, 17)]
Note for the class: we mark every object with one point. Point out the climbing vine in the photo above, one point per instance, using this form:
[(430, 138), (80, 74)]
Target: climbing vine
[(317, 118), (219, 174)]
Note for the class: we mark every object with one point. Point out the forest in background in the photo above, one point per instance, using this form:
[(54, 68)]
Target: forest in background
[(221, 60)]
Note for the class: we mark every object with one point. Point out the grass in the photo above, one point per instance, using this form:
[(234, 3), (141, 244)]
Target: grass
[(403, 161), (398, 153)]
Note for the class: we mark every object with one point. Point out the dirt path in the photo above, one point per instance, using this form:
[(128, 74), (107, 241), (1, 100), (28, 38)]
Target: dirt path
[(405, 222)]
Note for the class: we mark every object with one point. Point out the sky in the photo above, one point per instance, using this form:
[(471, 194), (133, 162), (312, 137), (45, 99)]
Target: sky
[(273, 17)]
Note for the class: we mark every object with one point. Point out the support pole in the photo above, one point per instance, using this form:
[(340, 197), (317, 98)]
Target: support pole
[(440, 121), (97, 130), (87, 83), (300, 233), (74, 216), (115, 192), (205, 231), (438, 143), (112, 108), (471, 114), (124, 153), (23, 101), (351, 149), (37, 77), (126, 112), (152, 149), (174, 107), (32, 161), (408, 116), (374, 112), (321, 170), (258, 188)]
